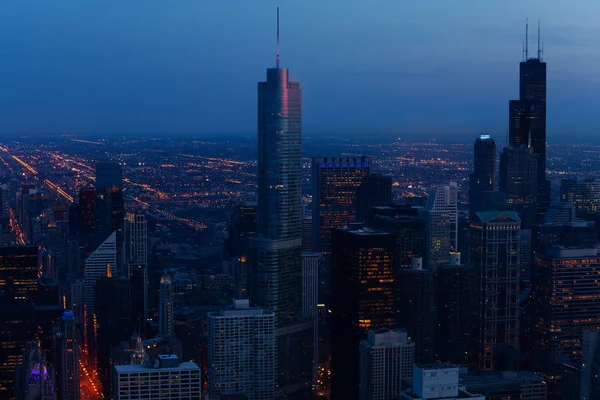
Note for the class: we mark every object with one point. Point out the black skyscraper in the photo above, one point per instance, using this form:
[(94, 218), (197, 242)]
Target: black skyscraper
[(483, 178), (375, 190), (527, 119)]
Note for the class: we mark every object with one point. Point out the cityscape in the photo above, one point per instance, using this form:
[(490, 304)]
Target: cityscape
[(283, 264)]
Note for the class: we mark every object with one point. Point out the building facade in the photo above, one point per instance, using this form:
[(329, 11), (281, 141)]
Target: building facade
[(441, 224), (483, 178)]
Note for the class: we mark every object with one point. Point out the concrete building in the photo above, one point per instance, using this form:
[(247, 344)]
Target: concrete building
[(437, 381), (241, 352), (103, 259), (165, 311), (521, 385), (386, 358), (441, 224), (164, 378)]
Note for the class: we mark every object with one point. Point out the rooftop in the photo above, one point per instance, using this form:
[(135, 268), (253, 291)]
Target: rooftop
[(498, 216)]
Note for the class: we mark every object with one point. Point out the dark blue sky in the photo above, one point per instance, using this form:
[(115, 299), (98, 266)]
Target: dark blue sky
[(191, 66)]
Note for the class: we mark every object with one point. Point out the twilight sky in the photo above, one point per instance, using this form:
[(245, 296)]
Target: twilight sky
[(191, 66)]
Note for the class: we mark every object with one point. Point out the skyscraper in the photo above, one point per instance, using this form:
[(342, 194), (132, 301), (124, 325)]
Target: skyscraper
[(584, 195), (386, 358), (590, 365), (19, 271), (456, 304), (35, 377), (165, 310), (518, 180), (241, 352), (441, 224), (109, 175), (311, 263), (495, 256), (483, 178), (335, 181), (275, 254), (363, 297), (417, 308), (375, 190), (136, 233), (137, 238), (102, 260), (527, 118), (66, 358)]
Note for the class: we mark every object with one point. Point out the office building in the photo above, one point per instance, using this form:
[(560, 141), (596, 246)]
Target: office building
[(525, 259), (495, 255), (275, 253), (404, 222), (375, 190), (417, 308), (483, 178), (19, 271), (335, 181), (441, 224), (566, 302), (243, 225), (165, 310), (590, 365), (102, 261), (163, 378), (437, 381), (583, 194), (527, 120), (241, 352), (311, 263), (518, 181), (35, 377), (138, 295), (66, 358), (505, 384), (456, 304), (386, 358), (109, 175), (137, 238), (559, 213), (363, 298), (86, 211)]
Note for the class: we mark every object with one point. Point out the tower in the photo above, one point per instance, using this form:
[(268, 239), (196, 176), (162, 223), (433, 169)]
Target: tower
[(441, 224), (495, 253), (518, 180), (335, 181), (35, 378), (241, 352), (136, 230), (527, 118), (483, 178), (275, 253), (67, 358), (363, 284), (165, 312), (374, 191)]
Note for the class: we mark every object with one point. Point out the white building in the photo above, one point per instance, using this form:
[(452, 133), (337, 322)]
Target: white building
[(102, 260), (164, 378), (166, 325), (386, 358), (437, 381), (241, 352), (441, 224)]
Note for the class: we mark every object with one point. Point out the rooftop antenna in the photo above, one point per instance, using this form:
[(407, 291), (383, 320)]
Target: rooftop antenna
[(523, 51), (539, 48), (277, 59), (526, 39), (542, 53)]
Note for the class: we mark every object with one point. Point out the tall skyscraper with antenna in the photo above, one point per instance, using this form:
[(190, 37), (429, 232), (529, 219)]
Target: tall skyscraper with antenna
[(527, 116), (275, 254)]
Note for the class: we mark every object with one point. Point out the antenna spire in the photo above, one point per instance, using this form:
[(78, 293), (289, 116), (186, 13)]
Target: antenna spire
[(526, 39), (539, 48), (277, 59)]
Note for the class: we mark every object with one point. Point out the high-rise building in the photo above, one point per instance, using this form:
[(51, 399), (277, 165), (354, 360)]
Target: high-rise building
[(375, 190), (243, 225), (138, 295), (165, 308), (456, 304), (386, 358), (311, 263), (483, 178), (583, 194), (590, 365), (335, 181), (66, 358), (109, 175), (518, 180), (363, 298), (102, 261), (495, 254), (404, 222), (19, 271), (505, 384), (275, 253), (87, 211), (441, 224), (417, 308), (163, 378), (137, 238), (527, 119), (241, 352), (565, 302), (35, 377)]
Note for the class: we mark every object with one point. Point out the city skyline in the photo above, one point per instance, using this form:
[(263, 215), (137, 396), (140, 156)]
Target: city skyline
[(148, 66)]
